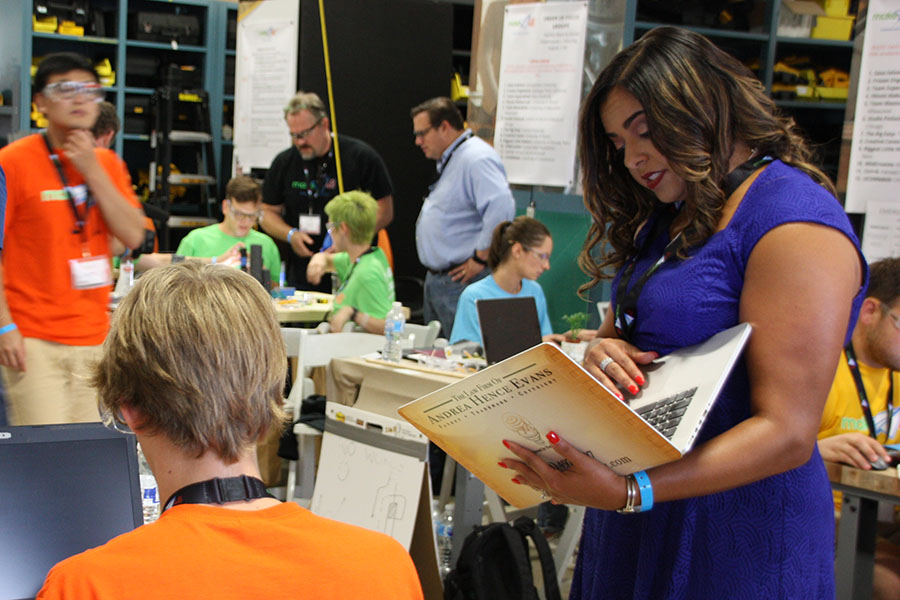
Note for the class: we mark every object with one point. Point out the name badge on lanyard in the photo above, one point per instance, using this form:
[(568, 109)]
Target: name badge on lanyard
[(311, 224), (88, 272)]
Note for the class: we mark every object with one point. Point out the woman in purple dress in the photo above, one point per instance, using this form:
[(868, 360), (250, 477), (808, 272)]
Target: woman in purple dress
[(713, 215)]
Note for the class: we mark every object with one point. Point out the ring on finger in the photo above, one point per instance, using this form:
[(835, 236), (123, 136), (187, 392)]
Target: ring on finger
[(606, 362)]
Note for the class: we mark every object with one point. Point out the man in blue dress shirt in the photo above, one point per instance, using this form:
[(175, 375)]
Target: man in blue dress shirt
[(468, 199)]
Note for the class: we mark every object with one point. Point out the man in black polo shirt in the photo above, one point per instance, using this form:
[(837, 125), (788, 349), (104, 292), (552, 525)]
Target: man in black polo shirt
[(303, 178)]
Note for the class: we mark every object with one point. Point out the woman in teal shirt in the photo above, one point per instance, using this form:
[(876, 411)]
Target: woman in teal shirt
[(520, 251)]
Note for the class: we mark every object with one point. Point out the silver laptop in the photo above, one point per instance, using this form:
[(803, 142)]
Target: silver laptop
[(681, 387)]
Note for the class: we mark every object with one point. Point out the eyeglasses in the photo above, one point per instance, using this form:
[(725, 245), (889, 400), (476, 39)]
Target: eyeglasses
[(302, 135), (418, 134), (895, 319), (541, 256), (67, 90), (241, 215), (113, 422)]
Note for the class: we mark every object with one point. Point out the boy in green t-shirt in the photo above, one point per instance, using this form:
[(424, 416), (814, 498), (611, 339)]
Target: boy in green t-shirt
[(241, 209), (366, 283)]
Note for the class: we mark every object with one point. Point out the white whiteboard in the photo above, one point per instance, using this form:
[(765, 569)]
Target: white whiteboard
[(265, 79), (366, 485)]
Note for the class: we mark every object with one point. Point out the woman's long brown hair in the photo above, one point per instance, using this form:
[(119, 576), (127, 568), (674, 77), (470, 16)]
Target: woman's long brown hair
[(699, 102)]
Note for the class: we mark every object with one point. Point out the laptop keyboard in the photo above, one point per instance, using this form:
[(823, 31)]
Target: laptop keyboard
[(666, 414)]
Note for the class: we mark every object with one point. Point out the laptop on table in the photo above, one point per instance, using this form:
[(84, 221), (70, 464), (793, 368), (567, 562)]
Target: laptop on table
[(508, 326)]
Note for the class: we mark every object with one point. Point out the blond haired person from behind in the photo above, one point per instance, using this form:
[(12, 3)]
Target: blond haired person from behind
[(194, 365)]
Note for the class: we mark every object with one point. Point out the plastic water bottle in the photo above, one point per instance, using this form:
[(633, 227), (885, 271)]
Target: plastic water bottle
[(149, 491), (445, 539), (393, 333), (126, 278)]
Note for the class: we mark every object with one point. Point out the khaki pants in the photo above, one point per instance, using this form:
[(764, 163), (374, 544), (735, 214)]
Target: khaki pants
[(54, 386)]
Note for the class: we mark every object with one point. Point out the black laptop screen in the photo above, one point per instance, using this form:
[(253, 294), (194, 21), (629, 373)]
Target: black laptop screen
[(63, 489), (508, 326)]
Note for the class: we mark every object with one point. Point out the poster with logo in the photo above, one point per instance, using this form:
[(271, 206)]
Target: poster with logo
[(874, 172), (522, 399), (542, 57), (265, 79)]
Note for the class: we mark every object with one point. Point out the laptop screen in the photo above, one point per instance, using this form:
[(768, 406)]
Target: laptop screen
[(63, 489), (508, 326)]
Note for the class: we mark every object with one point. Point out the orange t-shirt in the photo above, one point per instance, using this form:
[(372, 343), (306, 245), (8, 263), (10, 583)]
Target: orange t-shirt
[(197, 551), (39, 241)]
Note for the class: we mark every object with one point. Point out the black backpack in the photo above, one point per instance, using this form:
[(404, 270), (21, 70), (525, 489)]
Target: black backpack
[(494, 565)]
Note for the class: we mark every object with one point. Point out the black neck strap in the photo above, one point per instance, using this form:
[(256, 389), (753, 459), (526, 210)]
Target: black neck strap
[(443, 165), (353, 268), (853, 364), (219, 491), (740, 174), (315, 186), (627, 298), (80, 220)]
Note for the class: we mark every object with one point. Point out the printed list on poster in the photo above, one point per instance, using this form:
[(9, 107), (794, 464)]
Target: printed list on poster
[(264, 81), (874, 174), (540, 89)]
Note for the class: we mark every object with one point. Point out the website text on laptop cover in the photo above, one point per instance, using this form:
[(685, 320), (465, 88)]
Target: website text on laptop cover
[(508, 326), (542, 389), (63, 489)]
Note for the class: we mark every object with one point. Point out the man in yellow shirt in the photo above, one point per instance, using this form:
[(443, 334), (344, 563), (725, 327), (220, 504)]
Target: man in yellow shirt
[(862, 412)]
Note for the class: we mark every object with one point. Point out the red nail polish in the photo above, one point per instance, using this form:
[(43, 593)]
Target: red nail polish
[(639, 379), (633, 389), (505, 443), (620, 396), (514, 480), (502, 464), (553, 437)]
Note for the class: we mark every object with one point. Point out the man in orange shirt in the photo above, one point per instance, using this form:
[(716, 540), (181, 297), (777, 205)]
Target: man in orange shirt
[(62, 198), (198, 410)]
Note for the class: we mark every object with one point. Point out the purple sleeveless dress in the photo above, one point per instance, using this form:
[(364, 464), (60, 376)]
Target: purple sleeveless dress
[(770, 539)]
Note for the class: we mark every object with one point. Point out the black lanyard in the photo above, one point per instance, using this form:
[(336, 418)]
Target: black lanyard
[(853, 364), (219, 491), (314, 187), (353, 268), (627, 299), (80, 221), (443, 166)]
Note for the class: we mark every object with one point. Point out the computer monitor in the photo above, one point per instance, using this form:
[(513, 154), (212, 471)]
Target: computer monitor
[(63, 489)]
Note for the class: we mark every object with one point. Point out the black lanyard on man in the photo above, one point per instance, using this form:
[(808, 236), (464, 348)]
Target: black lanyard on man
[(219, 491), (853, 364), (80, 219), (442, 166)]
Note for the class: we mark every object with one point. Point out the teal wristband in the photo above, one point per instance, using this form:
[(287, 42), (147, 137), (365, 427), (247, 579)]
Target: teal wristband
[(646, 490), (290, 233), (8, 328)]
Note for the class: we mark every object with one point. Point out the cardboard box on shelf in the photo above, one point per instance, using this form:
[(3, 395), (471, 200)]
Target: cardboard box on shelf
[(797, 17)]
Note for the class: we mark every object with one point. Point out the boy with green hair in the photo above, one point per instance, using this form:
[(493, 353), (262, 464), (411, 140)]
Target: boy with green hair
[(366, 284)]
